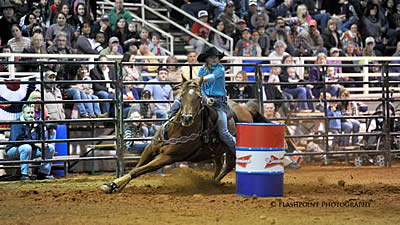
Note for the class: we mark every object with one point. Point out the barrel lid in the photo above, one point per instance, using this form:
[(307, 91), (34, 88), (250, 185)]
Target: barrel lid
[(261, 124)]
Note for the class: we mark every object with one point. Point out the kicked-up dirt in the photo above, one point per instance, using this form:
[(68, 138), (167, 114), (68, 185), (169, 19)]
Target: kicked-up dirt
[(312, 195)]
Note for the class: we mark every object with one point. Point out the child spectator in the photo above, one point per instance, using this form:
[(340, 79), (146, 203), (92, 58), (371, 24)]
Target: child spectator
[(155, 46), (240, 91), (245, 46)]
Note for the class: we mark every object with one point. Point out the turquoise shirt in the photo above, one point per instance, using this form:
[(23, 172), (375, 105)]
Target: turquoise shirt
[(215, 85)]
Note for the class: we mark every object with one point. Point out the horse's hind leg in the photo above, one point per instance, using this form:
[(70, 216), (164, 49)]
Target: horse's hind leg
[(229, 165), (118, 184), (218, 162)]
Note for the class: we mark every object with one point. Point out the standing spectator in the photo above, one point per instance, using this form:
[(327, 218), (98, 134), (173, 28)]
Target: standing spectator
[(193, 7), (26, 132), (52, 93), (190, 72), (229, 17), (18, 42), (311, 41), (6, 21), (263, 41), (56, 28), (104, 90), (117, 12), (103, 26), (161, 92), (113, 47), (200, 31), (155, 46), (84, 44), (255, 37), (331, 36), (244, 47)]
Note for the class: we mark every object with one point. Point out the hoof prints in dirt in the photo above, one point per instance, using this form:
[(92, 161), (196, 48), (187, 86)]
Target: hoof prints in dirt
[(184, 182)]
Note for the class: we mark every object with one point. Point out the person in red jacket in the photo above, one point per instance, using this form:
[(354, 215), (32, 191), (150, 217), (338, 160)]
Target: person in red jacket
[(201, 31)]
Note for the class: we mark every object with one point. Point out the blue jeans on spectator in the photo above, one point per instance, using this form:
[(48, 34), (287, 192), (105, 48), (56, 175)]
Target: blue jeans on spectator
[(93, 108), (105, 106), (161, 113), (75, 94), (352, 126), (25, 152), (299, 93), (322, 19)]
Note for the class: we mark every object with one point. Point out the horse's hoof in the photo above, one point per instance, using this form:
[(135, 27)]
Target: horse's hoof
[(109, 188)]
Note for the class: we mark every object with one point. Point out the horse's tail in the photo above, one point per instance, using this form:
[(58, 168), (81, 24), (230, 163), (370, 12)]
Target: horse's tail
[(255, 113)]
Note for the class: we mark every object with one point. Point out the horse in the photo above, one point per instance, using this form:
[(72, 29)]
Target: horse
[(189, 136)]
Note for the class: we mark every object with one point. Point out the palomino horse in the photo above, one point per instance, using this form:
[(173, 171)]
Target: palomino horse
[(189, 136)]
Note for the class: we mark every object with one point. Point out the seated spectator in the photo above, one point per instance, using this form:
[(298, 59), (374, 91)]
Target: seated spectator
[(4, 67), (132, 70), (100, 43), (113, 47), (259, 19), (270, 112), (119, 12), (200, 31), (161, 92), (36, 47), (36, 96), (131, 36), (60, 26), (335, 125), (28, 22), (218, 40), (56, 7), (335, 52), (52, 93), (321, 16), (135, 130), (296, 89), (245, 46), (354, 36), (7, 20), (279, 52), (350, 108), (65, 10), (104, 90), (331, 36), (190, 72), (81, 16), (155, 46), (144, 51), (332, 76), (175, 72), (86, 92), (121, 31), (193, 7), (18, 42), (395, 69), (370, 50), (251, 6), (274, 78), (350, 51), (317, 74), (103, 26), (294, 34), (311, 42), (279, 32), (85, 44), (25, 132), (240, 91), (129, 93), (144, 35), (237, 32), (373, 24)]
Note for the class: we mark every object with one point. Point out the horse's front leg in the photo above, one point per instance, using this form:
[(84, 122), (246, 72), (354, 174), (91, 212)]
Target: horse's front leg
[(118, 184), (230, 161)]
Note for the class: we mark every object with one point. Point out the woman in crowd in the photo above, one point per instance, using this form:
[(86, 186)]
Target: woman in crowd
[(121, 31), (331, 36), (240, 91), (36, 47), (132, 71), (129, 93), (217, 39), (317, 74), (18, 42), (80, 17), (349, 108)]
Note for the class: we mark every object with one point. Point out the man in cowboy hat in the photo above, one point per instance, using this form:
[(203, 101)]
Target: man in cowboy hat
[(214, 87)]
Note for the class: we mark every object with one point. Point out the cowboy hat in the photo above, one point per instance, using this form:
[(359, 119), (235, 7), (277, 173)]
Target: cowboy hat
[(210, 51)]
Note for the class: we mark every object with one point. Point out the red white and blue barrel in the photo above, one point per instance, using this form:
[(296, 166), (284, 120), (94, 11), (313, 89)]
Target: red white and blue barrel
[(259, 159)]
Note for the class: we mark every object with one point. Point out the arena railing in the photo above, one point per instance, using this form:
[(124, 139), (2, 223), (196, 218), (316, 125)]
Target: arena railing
[(386, 99)]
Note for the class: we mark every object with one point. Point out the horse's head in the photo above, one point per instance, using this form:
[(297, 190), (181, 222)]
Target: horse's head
[(191, 102)]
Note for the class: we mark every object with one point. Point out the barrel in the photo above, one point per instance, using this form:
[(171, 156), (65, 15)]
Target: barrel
[(259, 159), (61, 147)]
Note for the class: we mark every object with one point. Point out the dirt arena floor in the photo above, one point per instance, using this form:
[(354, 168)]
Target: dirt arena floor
[(312, 195)]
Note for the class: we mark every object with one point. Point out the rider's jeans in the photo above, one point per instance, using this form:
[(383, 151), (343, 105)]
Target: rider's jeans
[(223, 131)]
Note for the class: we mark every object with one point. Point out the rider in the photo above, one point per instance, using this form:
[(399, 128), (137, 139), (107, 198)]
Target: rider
[(214, 87)]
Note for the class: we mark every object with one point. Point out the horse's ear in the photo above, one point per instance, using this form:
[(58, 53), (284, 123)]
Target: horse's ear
[(201, 80), (183, 79)]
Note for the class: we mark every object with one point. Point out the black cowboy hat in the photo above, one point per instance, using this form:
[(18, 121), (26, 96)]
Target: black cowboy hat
[(6, 4), (210, 51)]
